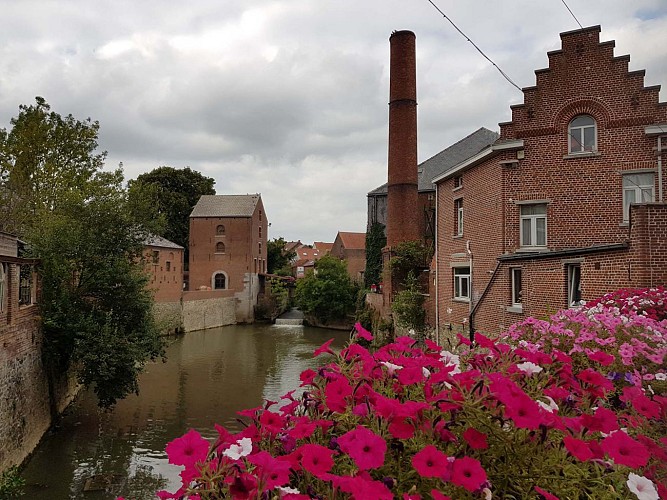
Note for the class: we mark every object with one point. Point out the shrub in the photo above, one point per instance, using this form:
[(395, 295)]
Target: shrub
[(511, 418)]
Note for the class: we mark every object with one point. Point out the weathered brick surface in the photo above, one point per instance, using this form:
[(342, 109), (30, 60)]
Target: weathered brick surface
[(165, 273), (583, 192)]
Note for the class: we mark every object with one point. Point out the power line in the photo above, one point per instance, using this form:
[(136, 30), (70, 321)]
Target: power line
[(474, 45), (575, 17)]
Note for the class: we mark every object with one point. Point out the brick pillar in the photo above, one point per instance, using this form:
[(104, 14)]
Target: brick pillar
[(402, 209)]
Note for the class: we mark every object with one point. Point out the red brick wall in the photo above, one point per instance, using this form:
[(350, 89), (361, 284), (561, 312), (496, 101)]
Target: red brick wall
[(165, 273), (583, 192), (242, 248)]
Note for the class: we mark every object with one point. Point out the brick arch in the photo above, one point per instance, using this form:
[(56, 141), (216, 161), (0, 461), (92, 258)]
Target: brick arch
[(226, 280), (597, 108)]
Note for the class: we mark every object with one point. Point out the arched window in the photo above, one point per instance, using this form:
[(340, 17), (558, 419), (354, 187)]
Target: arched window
[(220, 229), (219, 247), (219, 281), (582, 135)]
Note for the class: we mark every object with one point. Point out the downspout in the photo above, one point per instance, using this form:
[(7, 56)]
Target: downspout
[(470, 307), (660, 168), (481, 298), (437, 281)]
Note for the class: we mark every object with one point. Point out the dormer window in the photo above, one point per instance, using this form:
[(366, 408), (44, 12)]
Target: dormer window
[(582, 135)]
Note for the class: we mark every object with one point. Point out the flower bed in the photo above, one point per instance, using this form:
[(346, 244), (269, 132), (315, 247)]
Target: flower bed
[(572, 407)]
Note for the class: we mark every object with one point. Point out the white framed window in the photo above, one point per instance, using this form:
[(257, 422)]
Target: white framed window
[(458, 216), (574, 285), (462, 283), (582, 135), (637, 188), (534, 225), (517, 286)]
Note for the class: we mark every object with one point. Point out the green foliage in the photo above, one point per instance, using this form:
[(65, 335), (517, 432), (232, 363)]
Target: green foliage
[(409, 256), (375, 242), (328, 294), (175, 192), (278, 260), (408, 305), (11, 484), (95, 307)]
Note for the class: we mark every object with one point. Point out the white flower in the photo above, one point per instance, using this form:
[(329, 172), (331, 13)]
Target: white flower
[(286, 490), (642, 487), (425, 372), (411, 332), (529, 368), (449, 310), (241, 448), (551, 407), (451, 359), (661, 376), (391, 367), (487, 494)]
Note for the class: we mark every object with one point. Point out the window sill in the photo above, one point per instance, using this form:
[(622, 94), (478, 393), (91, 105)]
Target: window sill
[(461, 299), (624, 224), (572, 156), (514, 309), (457, 189), (457, 237), (532, 249)]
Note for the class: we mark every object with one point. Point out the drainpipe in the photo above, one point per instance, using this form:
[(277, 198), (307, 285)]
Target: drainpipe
[(437, 280), (470, 309), (660, 169)]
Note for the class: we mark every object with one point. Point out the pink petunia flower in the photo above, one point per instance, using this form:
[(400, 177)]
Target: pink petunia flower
[(188, 449), (274, 472), (439, 496), (577, 448), (362, 332), (366, 448), (468, 473), (400, 429), (336, 392), (324, 348), (243, 486), (316, 459), (475, 439), (624, 450), (545, 494), (430, 462)]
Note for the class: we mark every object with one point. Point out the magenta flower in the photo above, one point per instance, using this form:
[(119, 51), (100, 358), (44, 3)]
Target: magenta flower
[(274, 472), (430, 462), (336, 392), (316, 459), (188, 449), (439, 496), (324, 348), (271, 422), (475, 439), (243, 486), (646, 407), (545, 494), (468, 473), (524, 412), (624, 450), (400, 429), (362, 332), (366, 448), (577, 448), (602, 420)]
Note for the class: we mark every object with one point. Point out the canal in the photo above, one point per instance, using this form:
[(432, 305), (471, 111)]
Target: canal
[(209, 376)]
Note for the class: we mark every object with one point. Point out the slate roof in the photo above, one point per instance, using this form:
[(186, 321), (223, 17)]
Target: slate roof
[(226, 205), (353, 241), (448, 158), (153, 240)]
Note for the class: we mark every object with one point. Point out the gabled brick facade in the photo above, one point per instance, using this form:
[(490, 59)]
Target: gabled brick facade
[(164, 264), (542, 209), (351, 247)]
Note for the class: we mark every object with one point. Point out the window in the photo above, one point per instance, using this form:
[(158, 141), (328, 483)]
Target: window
[(219, 247), (458, 182), (219, 281), (260, 231), (517, 287), (458, 217), (260, 249), (3, 285), (534, 225), (156, 256), (637, 188), (462, 283), (25, 286), (582, 135), (574, 285), (220, 229), (168, 265), (260, 215)]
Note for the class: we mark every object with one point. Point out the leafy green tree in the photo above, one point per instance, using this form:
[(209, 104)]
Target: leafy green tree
[(328, 294), (175, 193), (408, 305), (95, 307), (409, 256), (278, 259), (375, 242)]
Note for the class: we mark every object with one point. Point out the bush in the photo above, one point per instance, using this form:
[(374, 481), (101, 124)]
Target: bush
[(510, 418)]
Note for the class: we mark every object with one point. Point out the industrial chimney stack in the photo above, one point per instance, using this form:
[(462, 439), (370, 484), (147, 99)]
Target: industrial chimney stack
[(402, 201)]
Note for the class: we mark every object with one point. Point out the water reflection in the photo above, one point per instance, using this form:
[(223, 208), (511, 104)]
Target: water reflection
[(208, 377)]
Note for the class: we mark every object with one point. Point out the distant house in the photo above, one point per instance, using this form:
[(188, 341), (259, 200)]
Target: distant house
[(228, 235), (322, 247), (164, 263), (302, 266), (351, 247), (307, 255)]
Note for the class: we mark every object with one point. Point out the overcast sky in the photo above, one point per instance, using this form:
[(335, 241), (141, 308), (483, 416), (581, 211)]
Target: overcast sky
[(288, 98)]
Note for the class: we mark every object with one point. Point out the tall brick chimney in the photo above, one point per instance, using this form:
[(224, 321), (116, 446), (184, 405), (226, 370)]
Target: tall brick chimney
[(402, 207)]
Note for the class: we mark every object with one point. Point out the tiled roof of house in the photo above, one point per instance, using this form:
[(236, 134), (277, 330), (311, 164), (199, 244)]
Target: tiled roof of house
[(323, 247), (226, 205), (293, 245), (353, 241), (448, 158), (158, 241)]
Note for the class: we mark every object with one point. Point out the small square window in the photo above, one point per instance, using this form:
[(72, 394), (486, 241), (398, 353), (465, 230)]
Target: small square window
[(637, 188), (458, 182)]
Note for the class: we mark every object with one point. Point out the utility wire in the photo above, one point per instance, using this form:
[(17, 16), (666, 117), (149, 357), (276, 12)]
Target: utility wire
[(575, 17), (474, 45)]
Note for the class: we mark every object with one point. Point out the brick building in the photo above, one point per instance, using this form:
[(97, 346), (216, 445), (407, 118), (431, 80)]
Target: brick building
[(566, 205), (351, 247), (228, 235), (164, 263)]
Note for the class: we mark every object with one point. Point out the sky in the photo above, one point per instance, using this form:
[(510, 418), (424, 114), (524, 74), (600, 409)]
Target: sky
[(288, 98)]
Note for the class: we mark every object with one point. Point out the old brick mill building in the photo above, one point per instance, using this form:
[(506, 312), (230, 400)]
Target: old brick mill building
[(566, 205)]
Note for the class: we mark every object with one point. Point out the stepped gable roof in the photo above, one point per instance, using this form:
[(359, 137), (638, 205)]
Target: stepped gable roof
[(353, 241), (153, 240), (226, 205), (448, 158)]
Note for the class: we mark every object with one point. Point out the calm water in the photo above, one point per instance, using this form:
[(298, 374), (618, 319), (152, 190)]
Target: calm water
[(208, 377)]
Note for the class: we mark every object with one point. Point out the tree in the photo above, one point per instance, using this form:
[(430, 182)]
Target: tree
[(328, 294), (175, 193), (375, 242), (278, 259), (95, 308)]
